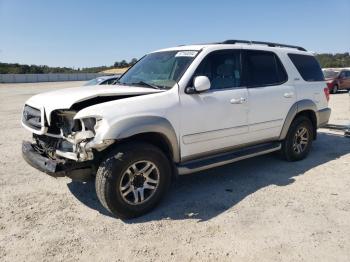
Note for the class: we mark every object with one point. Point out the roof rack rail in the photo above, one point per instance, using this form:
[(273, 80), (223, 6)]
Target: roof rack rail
[(261, 43)]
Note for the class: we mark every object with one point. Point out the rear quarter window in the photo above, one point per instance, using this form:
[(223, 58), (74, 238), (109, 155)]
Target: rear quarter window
[(308, 67)]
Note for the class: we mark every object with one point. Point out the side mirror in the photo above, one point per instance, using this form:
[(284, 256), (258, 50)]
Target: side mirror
[(200, 84)]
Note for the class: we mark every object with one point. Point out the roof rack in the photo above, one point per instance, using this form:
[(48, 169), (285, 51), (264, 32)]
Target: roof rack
[(230, 42)]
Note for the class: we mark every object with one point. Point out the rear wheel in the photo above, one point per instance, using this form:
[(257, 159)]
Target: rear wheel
[(299, 139), (133, 179)]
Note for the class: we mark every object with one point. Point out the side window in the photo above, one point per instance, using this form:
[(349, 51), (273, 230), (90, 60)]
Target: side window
[(347, 74), (342, 74), (308, 67), (223, 68), (263, 68)]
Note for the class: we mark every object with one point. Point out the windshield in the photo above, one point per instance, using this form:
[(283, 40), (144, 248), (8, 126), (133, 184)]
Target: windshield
[(93, 82), (161, 69), (330, 74)]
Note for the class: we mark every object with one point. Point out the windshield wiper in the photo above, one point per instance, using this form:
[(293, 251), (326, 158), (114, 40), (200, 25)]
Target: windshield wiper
[(143, 83)]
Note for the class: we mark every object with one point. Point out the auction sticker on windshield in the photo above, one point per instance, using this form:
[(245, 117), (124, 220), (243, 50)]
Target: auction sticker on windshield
[(186, 54)]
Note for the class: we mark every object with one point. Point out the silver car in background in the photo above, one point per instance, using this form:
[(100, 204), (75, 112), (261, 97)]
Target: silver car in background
[(103, 80)]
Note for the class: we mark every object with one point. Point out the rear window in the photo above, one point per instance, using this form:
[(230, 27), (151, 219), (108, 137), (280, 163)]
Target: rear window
[(263, 68), (308, 67)]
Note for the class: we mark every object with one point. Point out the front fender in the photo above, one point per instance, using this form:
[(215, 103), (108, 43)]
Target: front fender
[(145, 124)]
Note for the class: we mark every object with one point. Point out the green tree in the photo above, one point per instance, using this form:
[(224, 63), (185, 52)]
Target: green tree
[(133, 61)]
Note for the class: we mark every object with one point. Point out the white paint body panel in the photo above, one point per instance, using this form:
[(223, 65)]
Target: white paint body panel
[(269, 106), (161, 104), (209, 121)]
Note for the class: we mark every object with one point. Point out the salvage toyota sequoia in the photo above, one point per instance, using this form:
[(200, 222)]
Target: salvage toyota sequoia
[(178, 111)]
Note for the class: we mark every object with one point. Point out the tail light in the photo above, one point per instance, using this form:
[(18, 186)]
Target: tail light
[(326, 93)]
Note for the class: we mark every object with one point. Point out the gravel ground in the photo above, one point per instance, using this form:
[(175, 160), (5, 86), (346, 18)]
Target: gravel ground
[(340, 104), (259, 209)]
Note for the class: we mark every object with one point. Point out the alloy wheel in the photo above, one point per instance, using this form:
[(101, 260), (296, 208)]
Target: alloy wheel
[(301, 140), (139, 182)]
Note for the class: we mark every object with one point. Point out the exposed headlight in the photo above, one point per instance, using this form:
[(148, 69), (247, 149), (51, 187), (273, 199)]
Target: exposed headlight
[(89, 123)]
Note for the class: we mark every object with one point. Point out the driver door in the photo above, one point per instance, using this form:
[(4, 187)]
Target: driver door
[(217, 119)]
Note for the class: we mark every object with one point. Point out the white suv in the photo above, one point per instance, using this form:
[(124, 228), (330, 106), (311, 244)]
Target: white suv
[(177, 111)]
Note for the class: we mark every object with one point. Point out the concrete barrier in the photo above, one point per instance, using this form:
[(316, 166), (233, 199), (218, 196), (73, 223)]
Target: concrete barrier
[(30, 78)]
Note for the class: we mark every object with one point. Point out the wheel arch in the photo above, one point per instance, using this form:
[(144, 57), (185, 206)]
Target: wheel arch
[(152, 129), (304, 107)]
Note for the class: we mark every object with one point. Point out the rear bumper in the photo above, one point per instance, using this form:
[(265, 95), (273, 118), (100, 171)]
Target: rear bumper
[(323, 116), (80, 171)]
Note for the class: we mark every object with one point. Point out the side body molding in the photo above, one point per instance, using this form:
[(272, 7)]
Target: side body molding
[(145, 124), (297, 107)]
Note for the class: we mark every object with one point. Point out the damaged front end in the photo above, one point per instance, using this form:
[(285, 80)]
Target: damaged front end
[(68, 146), (73, 135)]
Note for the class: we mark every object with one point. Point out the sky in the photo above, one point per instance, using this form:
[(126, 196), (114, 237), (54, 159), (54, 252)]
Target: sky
[(82, 33)]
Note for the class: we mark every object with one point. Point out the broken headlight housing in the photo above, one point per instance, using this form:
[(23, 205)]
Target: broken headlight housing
[(89, 124)]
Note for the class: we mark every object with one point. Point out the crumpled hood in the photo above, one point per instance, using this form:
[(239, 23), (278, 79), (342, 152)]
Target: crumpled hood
[(66, 98)]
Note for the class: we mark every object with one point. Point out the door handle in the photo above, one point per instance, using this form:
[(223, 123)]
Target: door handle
[(288, 94), (238, 100)]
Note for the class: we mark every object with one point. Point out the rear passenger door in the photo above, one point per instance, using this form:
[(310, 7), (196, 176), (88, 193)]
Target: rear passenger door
[(270, 94)]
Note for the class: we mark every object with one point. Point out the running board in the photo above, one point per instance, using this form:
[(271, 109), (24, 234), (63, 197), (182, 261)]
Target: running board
[(227, 158)]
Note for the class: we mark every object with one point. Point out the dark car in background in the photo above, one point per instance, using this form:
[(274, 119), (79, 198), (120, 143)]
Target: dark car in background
[(103, 80), (337, 79)]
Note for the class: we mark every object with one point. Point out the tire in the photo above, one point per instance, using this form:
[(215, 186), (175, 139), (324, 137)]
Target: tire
[(335, 89), (125, 169), (295, 148)]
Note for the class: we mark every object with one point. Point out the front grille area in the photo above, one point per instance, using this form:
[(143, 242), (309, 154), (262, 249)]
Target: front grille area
[(32, 117)]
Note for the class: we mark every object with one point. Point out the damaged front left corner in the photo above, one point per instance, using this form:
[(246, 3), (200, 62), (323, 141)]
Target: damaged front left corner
[(70, 138), (83, 144)]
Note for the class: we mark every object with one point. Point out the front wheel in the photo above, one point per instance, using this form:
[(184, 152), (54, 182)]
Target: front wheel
[(298, 141), (133, 179)]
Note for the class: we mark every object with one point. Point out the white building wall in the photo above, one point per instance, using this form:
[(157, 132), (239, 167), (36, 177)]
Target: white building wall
[(30, 78)]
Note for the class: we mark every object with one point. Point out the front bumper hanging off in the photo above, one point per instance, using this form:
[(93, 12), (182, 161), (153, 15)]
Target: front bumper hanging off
[(80, 171)]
